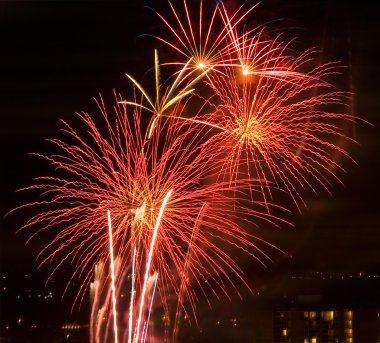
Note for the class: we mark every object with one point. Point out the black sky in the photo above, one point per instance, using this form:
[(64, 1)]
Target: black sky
[(56, 55)]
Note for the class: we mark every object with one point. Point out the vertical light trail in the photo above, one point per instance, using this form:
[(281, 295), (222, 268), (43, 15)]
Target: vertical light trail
[(99, 323), (112, 275), (132, 297), (155, 231), (143, 339)]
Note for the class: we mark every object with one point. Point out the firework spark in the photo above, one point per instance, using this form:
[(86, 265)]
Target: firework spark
[(204, 39), (225, 41), (112, 267), (274, 113), (203, 46), (280, 131), (165, 97), (135, 327), (149, 261), (186, 190), (118, 168)]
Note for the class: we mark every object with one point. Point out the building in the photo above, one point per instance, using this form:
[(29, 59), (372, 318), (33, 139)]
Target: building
[(313, 321)]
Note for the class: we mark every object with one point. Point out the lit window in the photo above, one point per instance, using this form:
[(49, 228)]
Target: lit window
[(284, 332), (314, 340), (312, 314), (328, 315), (348, 332), (348, 314)]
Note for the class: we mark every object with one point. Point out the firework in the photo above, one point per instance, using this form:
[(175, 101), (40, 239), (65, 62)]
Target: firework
[(206, 40), (183, 191), (282, 132), (165, 97), (118, 168), (134, 329), (219, 39), (205, 46), (276, 117), (112, 267)]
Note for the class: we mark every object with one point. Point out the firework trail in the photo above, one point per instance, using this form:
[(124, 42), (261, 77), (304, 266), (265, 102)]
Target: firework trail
[(101, 304), (207, 42), (188, 188), (130, 317), (146, 281), (265, 120), (149, 260), (150, 308), (95, 289), (205, 46), (112, 267), (165, 97), (276, 117), (115, 166)]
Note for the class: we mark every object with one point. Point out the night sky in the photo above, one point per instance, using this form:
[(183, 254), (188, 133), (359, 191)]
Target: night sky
[(57, 55)]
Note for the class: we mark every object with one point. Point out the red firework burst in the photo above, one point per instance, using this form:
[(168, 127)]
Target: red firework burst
[(275, 123), (276, 117), (283, 130), (205, 39), (116, 167)]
